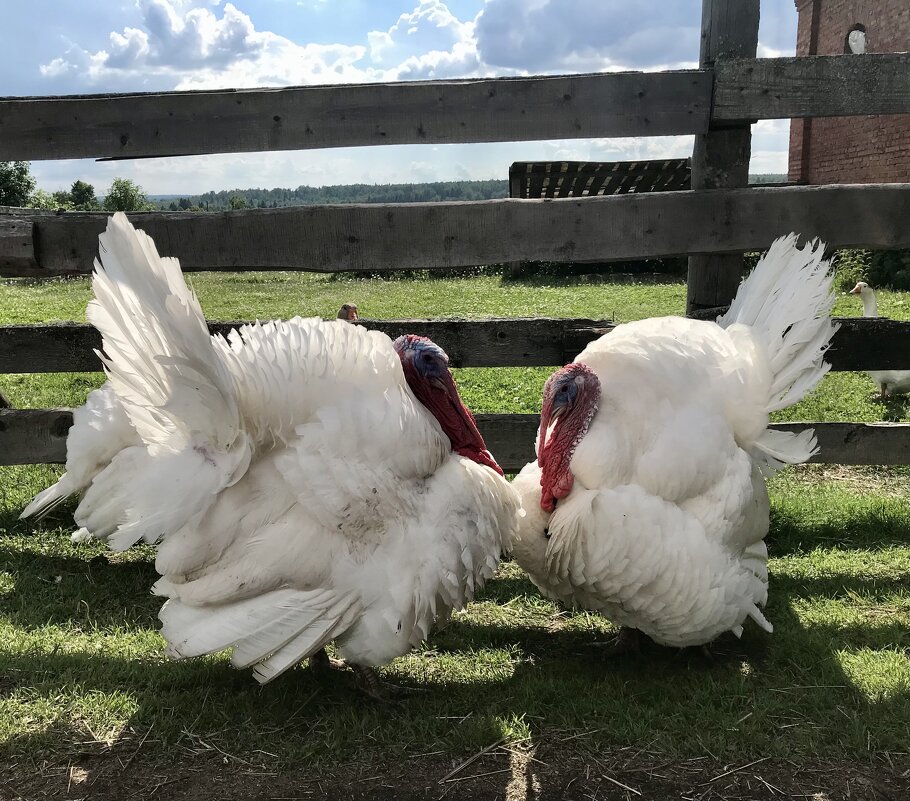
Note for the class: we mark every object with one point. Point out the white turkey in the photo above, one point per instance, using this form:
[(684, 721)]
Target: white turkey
[(889, 382), (309, 482), (647, 501)]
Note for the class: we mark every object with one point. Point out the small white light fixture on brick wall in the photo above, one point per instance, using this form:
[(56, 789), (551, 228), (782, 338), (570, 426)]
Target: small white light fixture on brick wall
[(856, 40)]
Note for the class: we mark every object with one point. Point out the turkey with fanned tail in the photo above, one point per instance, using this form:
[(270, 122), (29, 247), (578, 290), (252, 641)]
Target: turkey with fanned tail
[(308, 482), (647, 501)]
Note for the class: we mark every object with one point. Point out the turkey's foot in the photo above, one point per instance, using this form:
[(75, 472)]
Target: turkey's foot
[(707, 652), (627, 642), (321, 663), (368, 682)]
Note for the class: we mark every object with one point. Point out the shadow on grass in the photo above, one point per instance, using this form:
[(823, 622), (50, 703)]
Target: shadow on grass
[(501, 670), (894, 408), (792, 533), (82, 590)]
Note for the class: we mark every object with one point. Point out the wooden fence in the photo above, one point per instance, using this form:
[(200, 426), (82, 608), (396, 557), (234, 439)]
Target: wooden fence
[(713, 223)]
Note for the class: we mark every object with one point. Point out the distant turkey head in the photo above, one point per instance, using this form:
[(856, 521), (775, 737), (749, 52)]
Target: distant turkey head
[(570, 400), (426, 369), (348, 311)]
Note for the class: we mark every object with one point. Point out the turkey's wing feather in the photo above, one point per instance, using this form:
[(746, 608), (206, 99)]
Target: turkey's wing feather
[(648, 564)]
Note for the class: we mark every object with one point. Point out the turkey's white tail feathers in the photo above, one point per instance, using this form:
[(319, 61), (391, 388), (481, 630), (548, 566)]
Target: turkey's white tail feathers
[(100, 430), (777, 448), (786, 301), (273, 631), (49, 499), (756, 614), (159, 354), (176, 392)]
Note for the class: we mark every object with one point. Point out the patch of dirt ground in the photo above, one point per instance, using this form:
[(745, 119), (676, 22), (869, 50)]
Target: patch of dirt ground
[(510, 772)]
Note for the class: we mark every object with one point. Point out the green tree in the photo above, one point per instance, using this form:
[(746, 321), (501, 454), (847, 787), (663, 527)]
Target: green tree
[(126, 195), (83, 197), (237, 202), (41, 199), (16, 183)]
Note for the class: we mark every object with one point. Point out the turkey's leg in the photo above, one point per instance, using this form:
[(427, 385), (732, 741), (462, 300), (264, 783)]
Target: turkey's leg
[(368, 682), (321, 662), (627, 642)]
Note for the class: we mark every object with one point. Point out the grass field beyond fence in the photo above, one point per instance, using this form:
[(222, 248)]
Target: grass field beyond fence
[(84, 685)]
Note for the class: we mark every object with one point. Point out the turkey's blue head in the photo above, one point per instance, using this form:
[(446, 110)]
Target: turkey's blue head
[(570, 400), (426, 369)]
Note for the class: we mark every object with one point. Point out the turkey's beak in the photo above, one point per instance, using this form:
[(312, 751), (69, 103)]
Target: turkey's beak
[(548, 417), (352, 315)]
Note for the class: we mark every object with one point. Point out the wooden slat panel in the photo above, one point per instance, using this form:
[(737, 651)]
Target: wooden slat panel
[(298, 118), (601, 174), (812, 86), (860, 344), (444, 235), (69, 347), (569, 174), (38, 436)]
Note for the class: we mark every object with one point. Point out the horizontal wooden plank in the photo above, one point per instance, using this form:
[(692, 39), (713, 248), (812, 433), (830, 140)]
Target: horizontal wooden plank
[(38, 436), (17, 246), (445, 235), (860, 344), (811, 86), (304, 117), (69, 347), (34, 436)]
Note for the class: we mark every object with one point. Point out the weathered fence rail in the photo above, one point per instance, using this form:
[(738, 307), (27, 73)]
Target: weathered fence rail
[(38, 436), (443, 235), (811, 86), (305, 117), (513, 342), (874, 344)]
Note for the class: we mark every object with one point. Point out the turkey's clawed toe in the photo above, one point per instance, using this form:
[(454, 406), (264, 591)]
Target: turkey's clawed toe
[(368, 682), (321, 663), (626, 643)]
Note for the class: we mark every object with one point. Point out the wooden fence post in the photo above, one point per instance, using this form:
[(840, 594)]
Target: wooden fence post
[(720, 159)]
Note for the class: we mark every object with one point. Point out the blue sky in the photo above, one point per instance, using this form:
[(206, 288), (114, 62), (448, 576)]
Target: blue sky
[(57, 47)]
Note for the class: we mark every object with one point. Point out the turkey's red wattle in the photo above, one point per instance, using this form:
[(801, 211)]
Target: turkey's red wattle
[(440, 397), (569, 422)]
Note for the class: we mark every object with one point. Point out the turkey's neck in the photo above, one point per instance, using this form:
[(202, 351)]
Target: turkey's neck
[(870, 305)]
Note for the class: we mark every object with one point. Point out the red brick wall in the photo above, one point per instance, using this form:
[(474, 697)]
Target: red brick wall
[(869, 149)]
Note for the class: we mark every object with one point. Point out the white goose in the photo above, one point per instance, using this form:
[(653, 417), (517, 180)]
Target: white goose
[(647, 501), (309, 481), (890, 382)]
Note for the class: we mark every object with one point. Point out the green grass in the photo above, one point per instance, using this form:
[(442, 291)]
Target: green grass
[(81, 661)]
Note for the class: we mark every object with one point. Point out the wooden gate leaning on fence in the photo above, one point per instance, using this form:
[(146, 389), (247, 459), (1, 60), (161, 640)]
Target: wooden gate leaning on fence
[(712, 223)]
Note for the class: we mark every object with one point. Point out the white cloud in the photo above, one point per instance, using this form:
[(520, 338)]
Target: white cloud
[(429, 27), (547, 35), (194, 48)]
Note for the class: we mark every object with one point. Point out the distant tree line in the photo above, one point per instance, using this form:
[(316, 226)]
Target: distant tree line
[(348, 193)]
